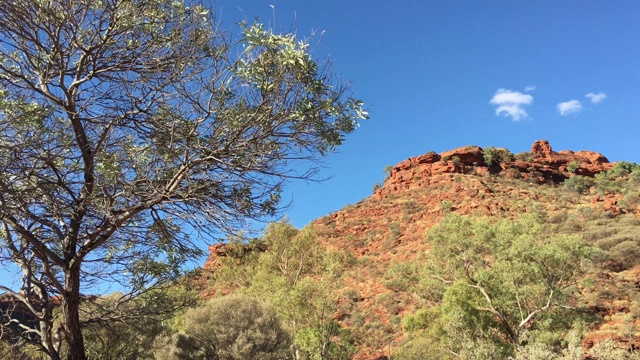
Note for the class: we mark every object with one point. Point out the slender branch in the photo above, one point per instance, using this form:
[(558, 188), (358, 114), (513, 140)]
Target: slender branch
[(533, 313)]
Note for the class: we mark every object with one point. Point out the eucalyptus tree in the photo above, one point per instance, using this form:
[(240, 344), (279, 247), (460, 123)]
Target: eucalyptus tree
[(127, 128), (502, 285)]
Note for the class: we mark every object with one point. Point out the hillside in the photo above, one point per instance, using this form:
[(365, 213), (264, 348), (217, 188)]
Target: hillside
[(575, 193)]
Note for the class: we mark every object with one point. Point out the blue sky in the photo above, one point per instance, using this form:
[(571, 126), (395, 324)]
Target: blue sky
[(428, 71)]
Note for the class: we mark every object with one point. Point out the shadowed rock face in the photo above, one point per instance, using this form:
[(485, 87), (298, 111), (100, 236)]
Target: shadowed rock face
[(543, 164)]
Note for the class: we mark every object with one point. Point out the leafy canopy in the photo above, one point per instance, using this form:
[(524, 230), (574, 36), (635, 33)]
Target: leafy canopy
[(129, 127), (501, 284)]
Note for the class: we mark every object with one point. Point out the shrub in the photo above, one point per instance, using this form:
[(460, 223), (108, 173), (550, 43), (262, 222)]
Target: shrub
[(493, 156), (229, 328), (419, 348), (630, 202), (579, 184), (535, 176), (622, 168), (446, 205), (606, 184), (573, 166), (524, 156), (610, 350), (387, 170), (624, 255), (401, 276)]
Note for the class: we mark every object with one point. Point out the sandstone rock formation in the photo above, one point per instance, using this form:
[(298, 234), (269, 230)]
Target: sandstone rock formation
[(541, 164)]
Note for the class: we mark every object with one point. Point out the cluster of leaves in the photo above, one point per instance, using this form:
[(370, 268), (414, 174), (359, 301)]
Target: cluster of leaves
[(117, 326), (622, 179), (495, 156), (287, 290)]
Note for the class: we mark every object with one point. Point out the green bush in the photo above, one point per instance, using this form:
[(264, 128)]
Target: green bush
[(420, 348), (630, 202), (446, 205), (579, 184), (234, 328), (524, 156), (610, 350), (622, 168), (401, 276), (493, 156), (501, 286), (387, 170), (573, 166), (624, 255)]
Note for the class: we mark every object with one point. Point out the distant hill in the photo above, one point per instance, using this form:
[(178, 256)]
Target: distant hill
[(577, 192)]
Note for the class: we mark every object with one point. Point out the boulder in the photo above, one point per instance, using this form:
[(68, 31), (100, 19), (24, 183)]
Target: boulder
[(468, 155)]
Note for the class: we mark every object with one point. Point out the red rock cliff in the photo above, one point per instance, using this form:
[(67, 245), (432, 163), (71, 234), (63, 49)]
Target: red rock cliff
[(541, 164)]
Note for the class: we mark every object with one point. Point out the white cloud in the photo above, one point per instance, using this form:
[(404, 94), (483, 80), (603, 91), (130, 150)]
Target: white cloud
[(569, 107), (596, 98), (511, 103), (529, 88)]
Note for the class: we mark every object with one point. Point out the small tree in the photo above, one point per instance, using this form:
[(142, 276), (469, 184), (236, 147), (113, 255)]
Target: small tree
[(387, 170), (123, 124), (500, 283)]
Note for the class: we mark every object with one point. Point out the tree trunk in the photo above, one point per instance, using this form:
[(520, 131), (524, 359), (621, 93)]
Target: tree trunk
[(47, 339), (71, 316)]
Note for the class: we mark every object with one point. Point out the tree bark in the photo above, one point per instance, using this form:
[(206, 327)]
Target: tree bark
[(47, 339), (71, 315)]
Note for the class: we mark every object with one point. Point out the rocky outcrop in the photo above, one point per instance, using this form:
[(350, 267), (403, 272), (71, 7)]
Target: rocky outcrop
[(468, 155), (542, 165), (216, 252), (586, 163)]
